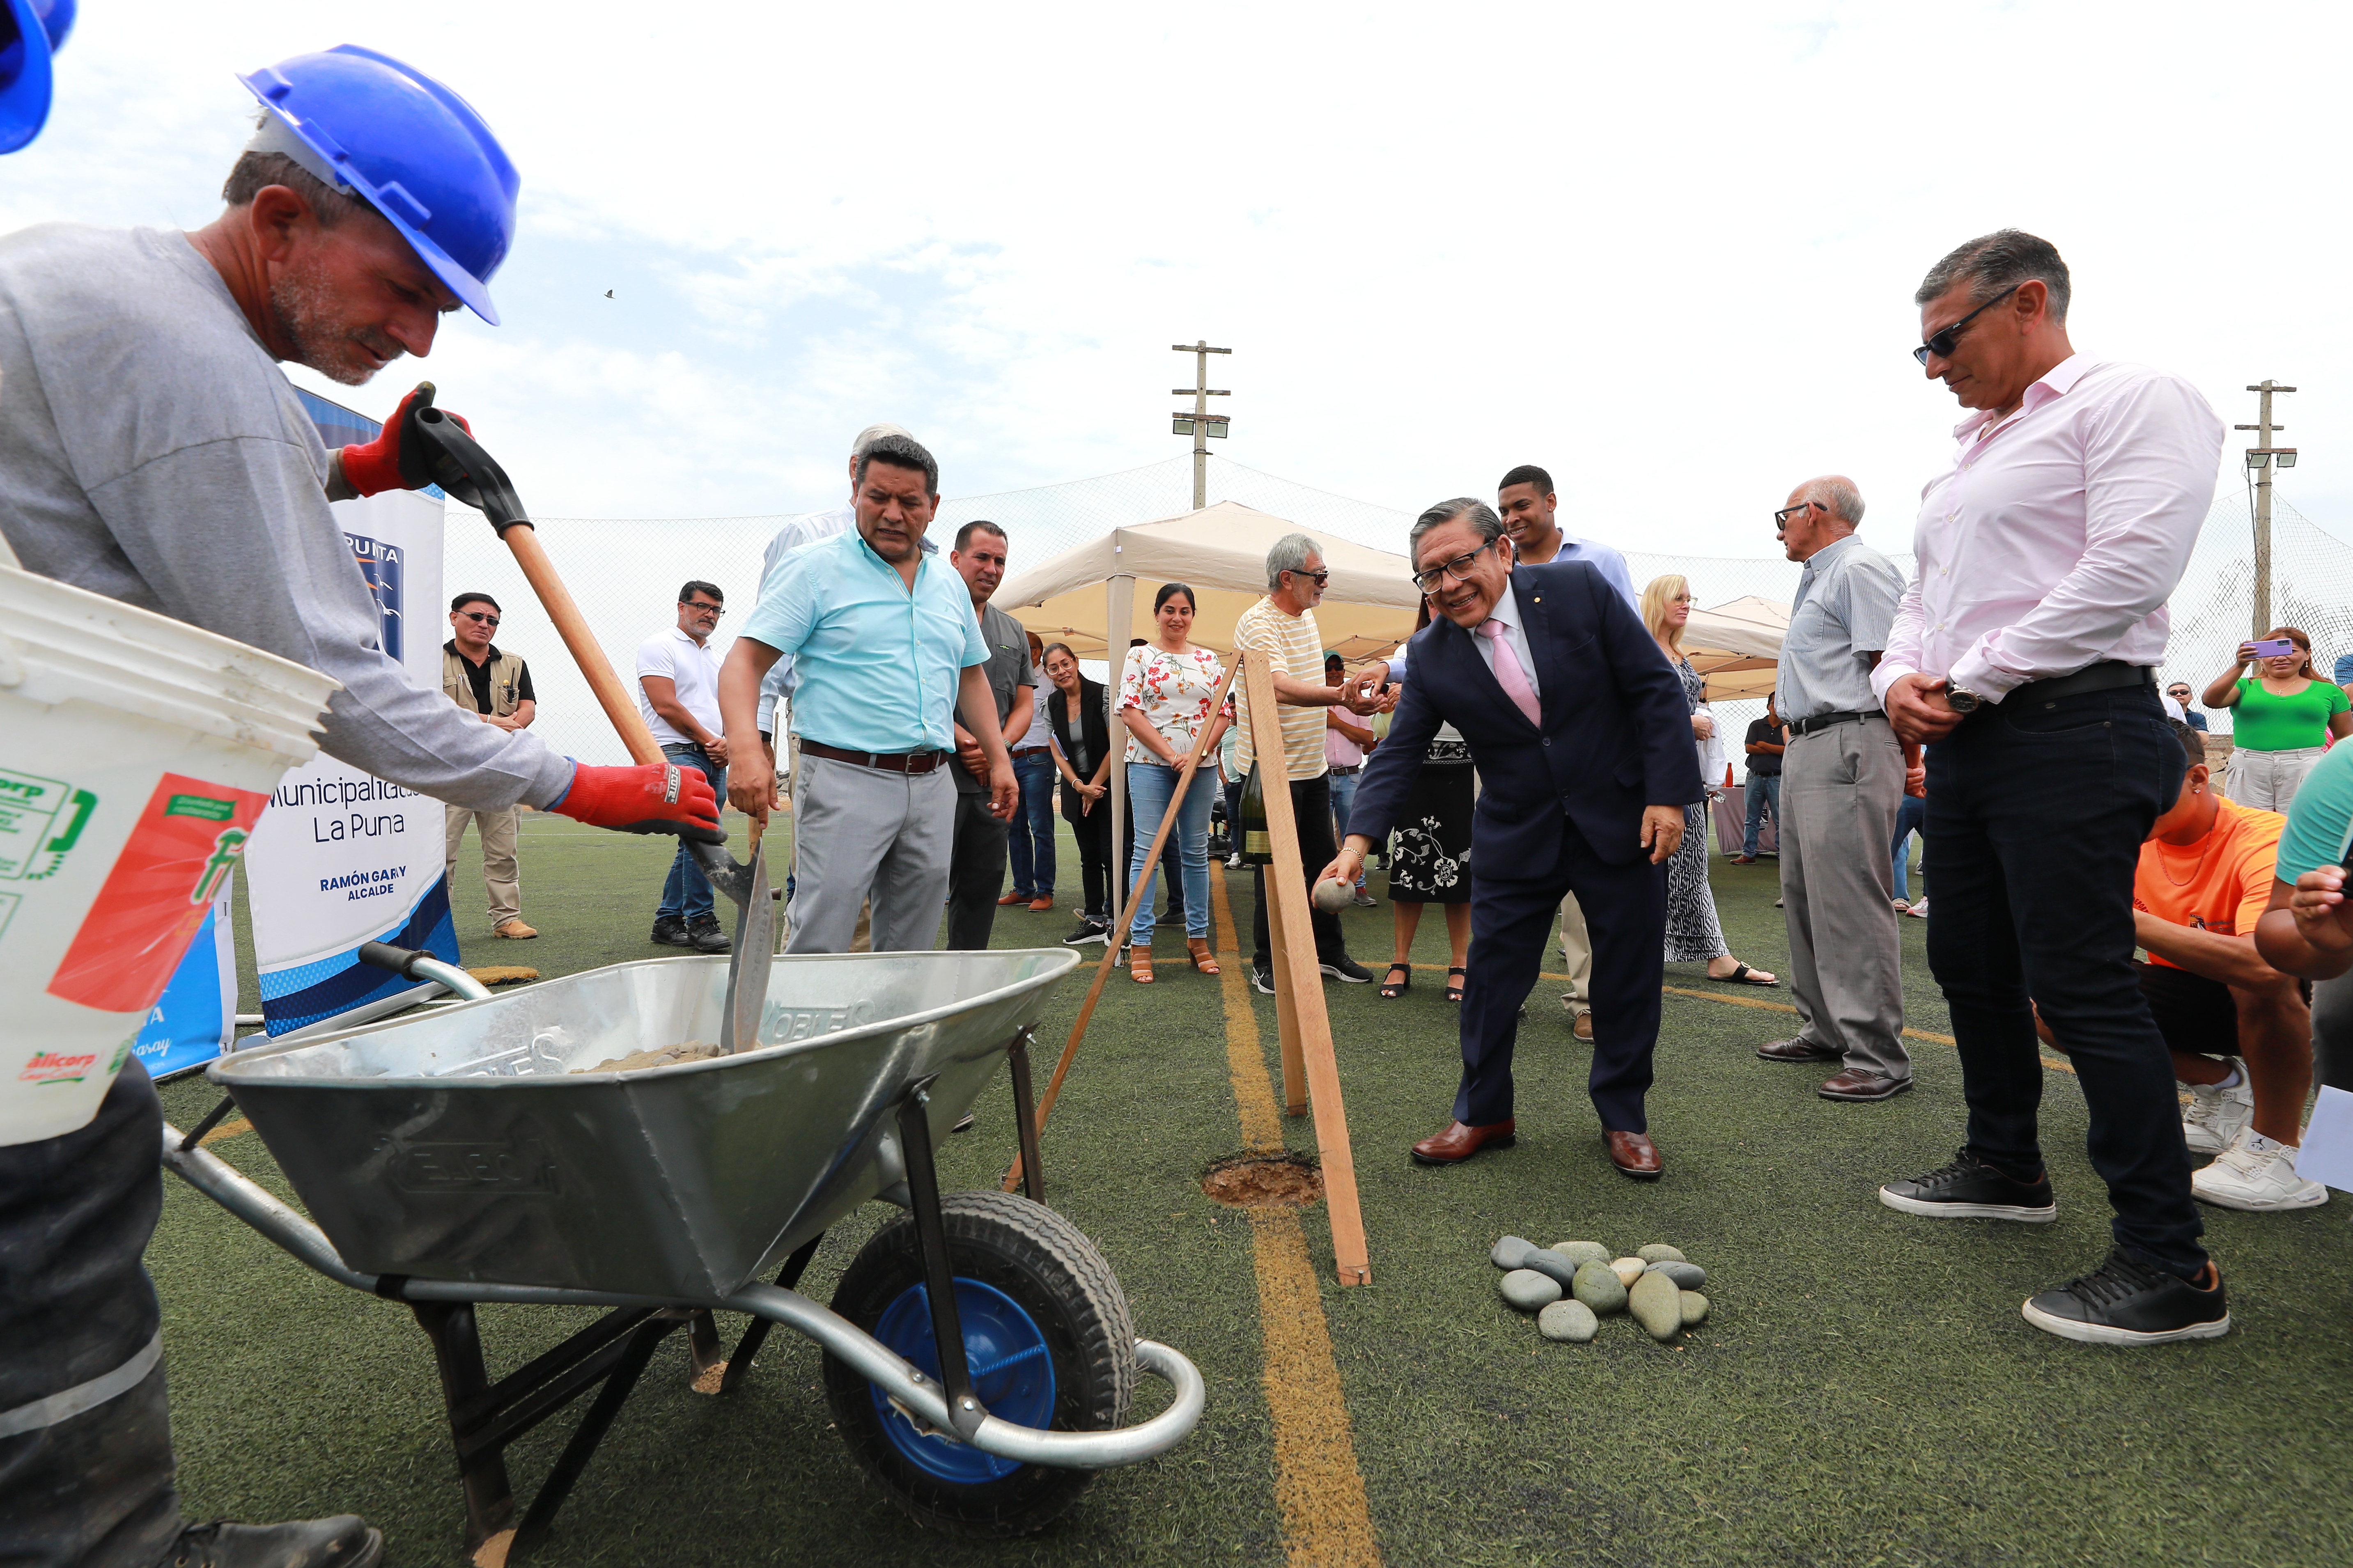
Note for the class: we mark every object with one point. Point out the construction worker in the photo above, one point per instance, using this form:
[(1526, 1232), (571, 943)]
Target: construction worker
[(151, 450)]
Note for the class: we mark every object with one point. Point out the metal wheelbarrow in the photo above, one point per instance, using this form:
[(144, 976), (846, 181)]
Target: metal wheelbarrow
[(461, 1156)]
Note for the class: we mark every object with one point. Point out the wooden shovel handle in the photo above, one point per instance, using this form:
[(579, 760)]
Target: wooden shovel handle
[(586, 652)]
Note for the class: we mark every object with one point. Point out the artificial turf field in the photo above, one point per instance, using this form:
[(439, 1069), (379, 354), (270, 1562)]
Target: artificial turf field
[(1863, 1393)]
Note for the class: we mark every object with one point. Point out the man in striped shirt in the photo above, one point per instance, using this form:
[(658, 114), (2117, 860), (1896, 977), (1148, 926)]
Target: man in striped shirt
[(1282, 626)]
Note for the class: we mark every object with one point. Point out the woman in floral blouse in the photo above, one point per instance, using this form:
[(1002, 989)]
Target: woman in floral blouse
[(1164, 697)]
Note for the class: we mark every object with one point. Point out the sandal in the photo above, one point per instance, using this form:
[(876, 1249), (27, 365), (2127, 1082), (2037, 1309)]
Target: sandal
[(1453, 990), (1197, 948), (1397, 981), (1139, 965), (1741, 975)]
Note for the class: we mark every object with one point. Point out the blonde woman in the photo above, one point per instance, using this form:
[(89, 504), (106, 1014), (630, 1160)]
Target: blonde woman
[(1693, 933)]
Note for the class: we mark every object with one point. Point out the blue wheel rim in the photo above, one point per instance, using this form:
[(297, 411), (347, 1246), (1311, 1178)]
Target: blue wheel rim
[(1012, 1374)]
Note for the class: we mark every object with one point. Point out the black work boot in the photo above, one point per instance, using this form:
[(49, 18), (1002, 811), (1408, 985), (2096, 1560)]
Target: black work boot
[(345, 1540), (670, 931), (702, 934)]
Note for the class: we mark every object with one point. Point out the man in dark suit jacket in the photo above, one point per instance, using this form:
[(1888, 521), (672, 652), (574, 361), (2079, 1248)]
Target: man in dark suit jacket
[(1583, 743)]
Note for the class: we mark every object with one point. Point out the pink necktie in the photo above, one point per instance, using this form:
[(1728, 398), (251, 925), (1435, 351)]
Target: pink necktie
[(1508, 673)]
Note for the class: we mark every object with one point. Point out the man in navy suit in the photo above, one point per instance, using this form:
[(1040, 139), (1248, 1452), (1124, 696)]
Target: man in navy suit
[(1583, 743)]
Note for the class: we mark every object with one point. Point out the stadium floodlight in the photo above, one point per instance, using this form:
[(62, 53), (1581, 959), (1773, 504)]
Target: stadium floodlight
[(2285, 455), (1217, 427), (1182, 424), (2257, 457)]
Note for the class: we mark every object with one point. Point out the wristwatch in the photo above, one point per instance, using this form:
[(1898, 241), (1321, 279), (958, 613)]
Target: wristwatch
[(1960, 699)]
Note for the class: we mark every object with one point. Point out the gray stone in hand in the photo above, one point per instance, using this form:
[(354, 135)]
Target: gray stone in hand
[(1660, 1252), (1527, 1289), (1571, 1320), (1657, 1305), (1550, 1263), (1511, 1252), (1690, 1276), (1695, 1307), (1580, 1253), (1598, 1287)]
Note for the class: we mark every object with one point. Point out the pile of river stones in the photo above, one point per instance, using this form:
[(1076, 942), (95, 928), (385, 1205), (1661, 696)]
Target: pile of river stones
[(1571, 1286)]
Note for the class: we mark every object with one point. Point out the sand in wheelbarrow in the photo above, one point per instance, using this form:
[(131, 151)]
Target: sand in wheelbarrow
[(657, 1057)]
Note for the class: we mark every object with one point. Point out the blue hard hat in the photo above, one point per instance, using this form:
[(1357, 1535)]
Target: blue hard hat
[(30, 32), (411, 149)]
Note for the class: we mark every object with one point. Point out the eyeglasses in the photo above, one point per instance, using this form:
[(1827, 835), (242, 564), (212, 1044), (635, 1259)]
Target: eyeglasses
[(1940, 342), (697, 605), (1322, 579), (1458, 569), (477, 615), (1781, 519)]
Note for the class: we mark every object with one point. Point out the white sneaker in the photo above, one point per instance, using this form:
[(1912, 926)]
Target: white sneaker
[(2217, 1116), (2258, 1175), (1919, 909)]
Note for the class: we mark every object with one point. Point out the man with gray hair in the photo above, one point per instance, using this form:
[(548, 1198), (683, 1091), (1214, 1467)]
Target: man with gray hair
[(1842, 777), (2023, 656), (1281, 626)]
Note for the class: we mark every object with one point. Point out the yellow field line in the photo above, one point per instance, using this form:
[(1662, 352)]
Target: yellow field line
[(1327, 1521)]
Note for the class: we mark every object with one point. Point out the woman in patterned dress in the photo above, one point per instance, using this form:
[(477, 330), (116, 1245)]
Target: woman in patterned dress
[(1431, 863), (1693, 933), (1164, 697)]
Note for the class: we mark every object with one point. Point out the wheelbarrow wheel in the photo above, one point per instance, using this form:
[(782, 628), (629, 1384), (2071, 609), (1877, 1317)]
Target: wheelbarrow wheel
[(1048, 1338)]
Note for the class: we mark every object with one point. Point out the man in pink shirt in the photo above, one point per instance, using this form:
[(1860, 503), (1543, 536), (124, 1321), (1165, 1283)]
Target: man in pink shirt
[(2023, 653)]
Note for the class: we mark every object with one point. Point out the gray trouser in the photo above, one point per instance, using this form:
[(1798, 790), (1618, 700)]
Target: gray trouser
[(1839, 790), (861, 834)]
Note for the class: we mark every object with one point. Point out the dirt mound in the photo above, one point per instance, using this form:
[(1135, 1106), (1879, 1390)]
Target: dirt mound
[(657, 1057), (1264, 1181)]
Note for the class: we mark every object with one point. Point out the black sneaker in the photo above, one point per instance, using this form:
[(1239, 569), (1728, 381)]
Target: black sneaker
[(345, 1540), (1347, 971), (1968, 1188), (1262, 979), (2125, 1302), (702, 934), (670, 931), (1089, 930)]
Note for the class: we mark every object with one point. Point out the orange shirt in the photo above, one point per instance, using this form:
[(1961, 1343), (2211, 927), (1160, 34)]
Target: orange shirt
[(2220, 883)]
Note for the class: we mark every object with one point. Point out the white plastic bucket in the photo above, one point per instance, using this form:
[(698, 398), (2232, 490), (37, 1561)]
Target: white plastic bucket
[(135, 753)]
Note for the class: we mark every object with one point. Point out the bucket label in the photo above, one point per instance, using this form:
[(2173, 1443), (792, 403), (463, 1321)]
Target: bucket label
[(184, 845), (56, 1067), (40, 820)]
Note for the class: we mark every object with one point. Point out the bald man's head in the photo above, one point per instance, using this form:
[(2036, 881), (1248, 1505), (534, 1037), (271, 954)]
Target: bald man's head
[(1819, 512)]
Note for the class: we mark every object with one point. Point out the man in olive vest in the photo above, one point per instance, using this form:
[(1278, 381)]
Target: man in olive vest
[(480, 679)]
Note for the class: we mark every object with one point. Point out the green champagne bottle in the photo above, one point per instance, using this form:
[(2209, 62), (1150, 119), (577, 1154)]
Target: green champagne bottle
[(1258, 847)]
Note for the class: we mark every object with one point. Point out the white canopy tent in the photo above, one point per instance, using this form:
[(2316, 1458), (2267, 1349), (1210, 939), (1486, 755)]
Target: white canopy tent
[(1735, 646)]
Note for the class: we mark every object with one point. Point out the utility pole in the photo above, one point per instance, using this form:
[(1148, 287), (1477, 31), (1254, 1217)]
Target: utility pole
[(2261, 460), (1200, 424)]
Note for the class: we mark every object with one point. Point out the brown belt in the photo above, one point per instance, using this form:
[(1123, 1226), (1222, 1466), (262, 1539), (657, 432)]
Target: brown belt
[(888, 762)]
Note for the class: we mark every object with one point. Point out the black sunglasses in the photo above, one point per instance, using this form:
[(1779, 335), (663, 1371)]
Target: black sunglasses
[(1941, 342), (1323, 578), (477, 615), (1781, 519)]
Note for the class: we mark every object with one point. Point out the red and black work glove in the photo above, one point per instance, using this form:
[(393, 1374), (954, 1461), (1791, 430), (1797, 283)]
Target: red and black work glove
[(391, 462), (651, 797)]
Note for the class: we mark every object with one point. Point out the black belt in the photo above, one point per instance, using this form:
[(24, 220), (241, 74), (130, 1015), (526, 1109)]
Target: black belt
[(1022, 752), (1343, 773), (890, 762), (1824, 721), (2105, 675)]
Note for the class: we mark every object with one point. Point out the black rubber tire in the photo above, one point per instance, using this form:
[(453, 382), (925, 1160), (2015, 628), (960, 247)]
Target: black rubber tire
[(1048, 1266)]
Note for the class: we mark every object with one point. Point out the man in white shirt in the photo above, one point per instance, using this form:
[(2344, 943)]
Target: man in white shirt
[(2023, 653), (677, 692)]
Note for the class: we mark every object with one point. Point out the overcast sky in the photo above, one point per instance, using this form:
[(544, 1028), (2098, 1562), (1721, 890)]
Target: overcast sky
[(1668, 252)]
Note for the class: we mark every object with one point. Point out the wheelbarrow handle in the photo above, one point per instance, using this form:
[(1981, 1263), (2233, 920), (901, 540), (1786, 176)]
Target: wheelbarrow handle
[(412, 965)]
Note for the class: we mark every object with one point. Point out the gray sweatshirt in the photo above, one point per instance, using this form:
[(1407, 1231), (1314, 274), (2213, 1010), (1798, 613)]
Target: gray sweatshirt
[(153, 451)]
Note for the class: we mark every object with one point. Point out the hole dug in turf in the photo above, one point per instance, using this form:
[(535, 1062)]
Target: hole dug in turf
[(1287, 1180)]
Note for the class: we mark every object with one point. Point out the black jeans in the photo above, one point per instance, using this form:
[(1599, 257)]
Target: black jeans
[(975, 872), (2035, 823), (1311, 807), (1093, 830)]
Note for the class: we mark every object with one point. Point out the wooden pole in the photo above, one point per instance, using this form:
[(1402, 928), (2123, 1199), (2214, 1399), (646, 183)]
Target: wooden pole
[(1127, 913), (1307, 1026), (586, 652)]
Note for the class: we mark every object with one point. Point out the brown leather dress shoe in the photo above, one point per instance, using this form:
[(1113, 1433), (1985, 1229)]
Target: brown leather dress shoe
[(1633, 1153), (1459, 1142), (1861, 1083), (1796, 1051)]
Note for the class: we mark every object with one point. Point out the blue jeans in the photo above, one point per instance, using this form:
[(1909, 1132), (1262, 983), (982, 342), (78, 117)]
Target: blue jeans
[(1764, 790), (1149, 785), (2034, 831), (1911, 815), (686, 892), (1343, 795), (1031, 842)]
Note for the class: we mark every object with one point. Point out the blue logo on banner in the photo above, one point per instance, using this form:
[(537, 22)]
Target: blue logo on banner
[(184, 1030), (380, 564), (291, 998)]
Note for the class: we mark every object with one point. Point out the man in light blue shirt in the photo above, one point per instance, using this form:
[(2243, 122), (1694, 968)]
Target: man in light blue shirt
[(885, 645)]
